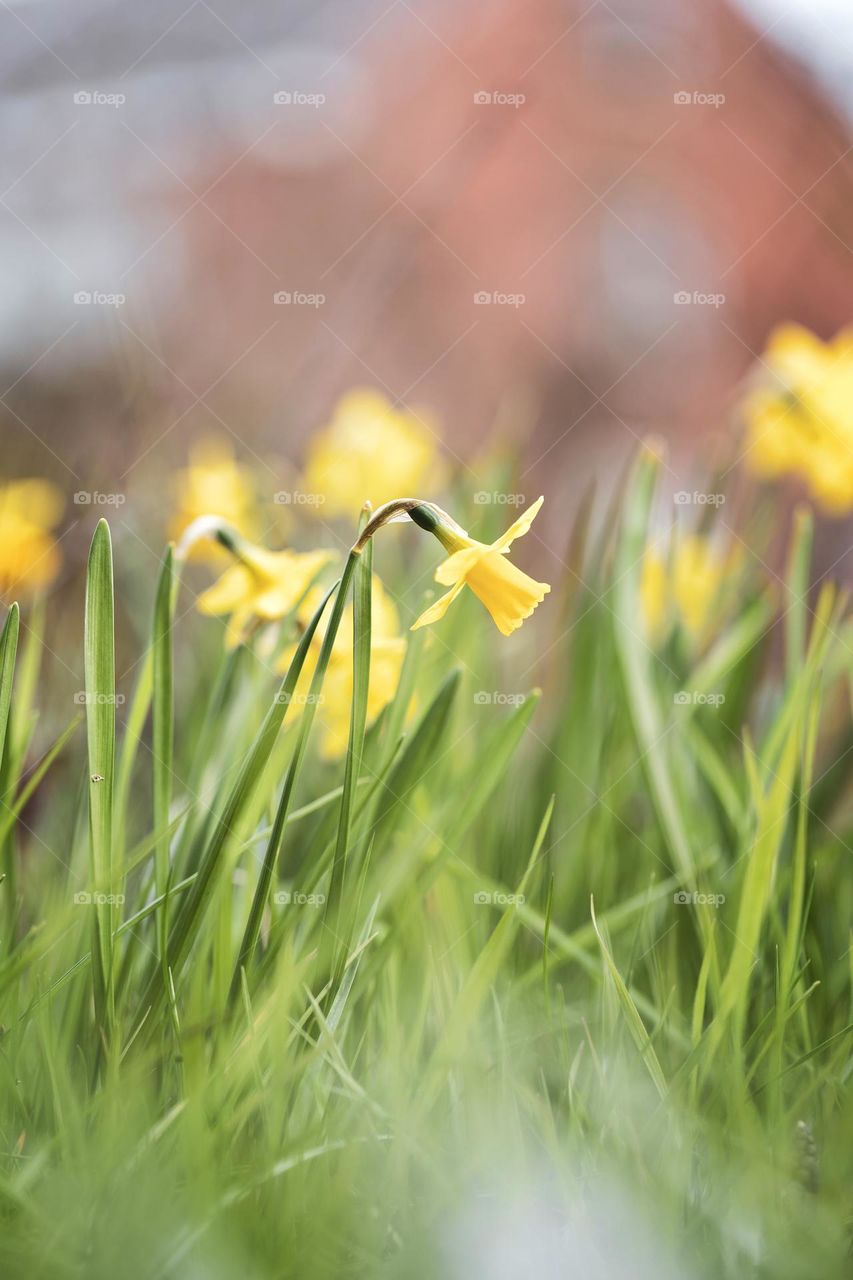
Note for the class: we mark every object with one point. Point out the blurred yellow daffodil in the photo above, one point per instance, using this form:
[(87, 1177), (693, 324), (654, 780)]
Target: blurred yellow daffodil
[(685, 587), (509, 594), (29, 555), (369, 452), (262, 586), (214, 482), (387, 650), (800, 415)]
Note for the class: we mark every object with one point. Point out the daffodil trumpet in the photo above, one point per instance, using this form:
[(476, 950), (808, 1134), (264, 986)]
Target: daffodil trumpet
[(509, 594)]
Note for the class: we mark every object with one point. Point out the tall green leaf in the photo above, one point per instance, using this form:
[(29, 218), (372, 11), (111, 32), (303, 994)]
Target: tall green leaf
[(162, 728), (99, 645)]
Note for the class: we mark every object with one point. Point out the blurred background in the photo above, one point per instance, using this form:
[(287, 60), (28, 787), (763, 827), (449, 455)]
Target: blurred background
[(568, 223)]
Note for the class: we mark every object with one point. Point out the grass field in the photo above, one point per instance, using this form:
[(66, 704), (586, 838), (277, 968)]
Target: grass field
[(547, 974)]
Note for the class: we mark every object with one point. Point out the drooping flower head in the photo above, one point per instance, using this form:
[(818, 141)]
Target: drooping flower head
[(387, 650), (214, 483), (799, 414), (508, 593), (262, 586), (370, 451), (29, 556)]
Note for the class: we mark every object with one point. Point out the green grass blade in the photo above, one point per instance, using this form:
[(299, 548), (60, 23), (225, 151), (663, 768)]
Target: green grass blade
[(134, 725), (274, 844), (635, 1023), (99, 644), (186, 925), (636, 658), (418, 751), (797, 589), (339, 931), (8, 651), (162, 728)]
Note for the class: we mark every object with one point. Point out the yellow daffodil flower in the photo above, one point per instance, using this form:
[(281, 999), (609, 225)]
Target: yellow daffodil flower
[(509, 594), (262, 587), (685, 588), (387, 650), (370, 451), (214, 482), (29, 555), (800, 414)]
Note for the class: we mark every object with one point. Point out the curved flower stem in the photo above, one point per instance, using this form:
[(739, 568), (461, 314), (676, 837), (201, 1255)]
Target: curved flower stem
[(426, 515), (340, 931)]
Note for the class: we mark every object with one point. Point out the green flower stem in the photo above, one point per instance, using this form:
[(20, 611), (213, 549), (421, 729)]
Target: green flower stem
[(273, 849)]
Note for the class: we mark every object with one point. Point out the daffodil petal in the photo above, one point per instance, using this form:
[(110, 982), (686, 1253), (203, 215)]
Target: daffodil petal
[(457, 565), (438, 608), (237, 628), (519, 527), (39, 502), (227, 592)]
